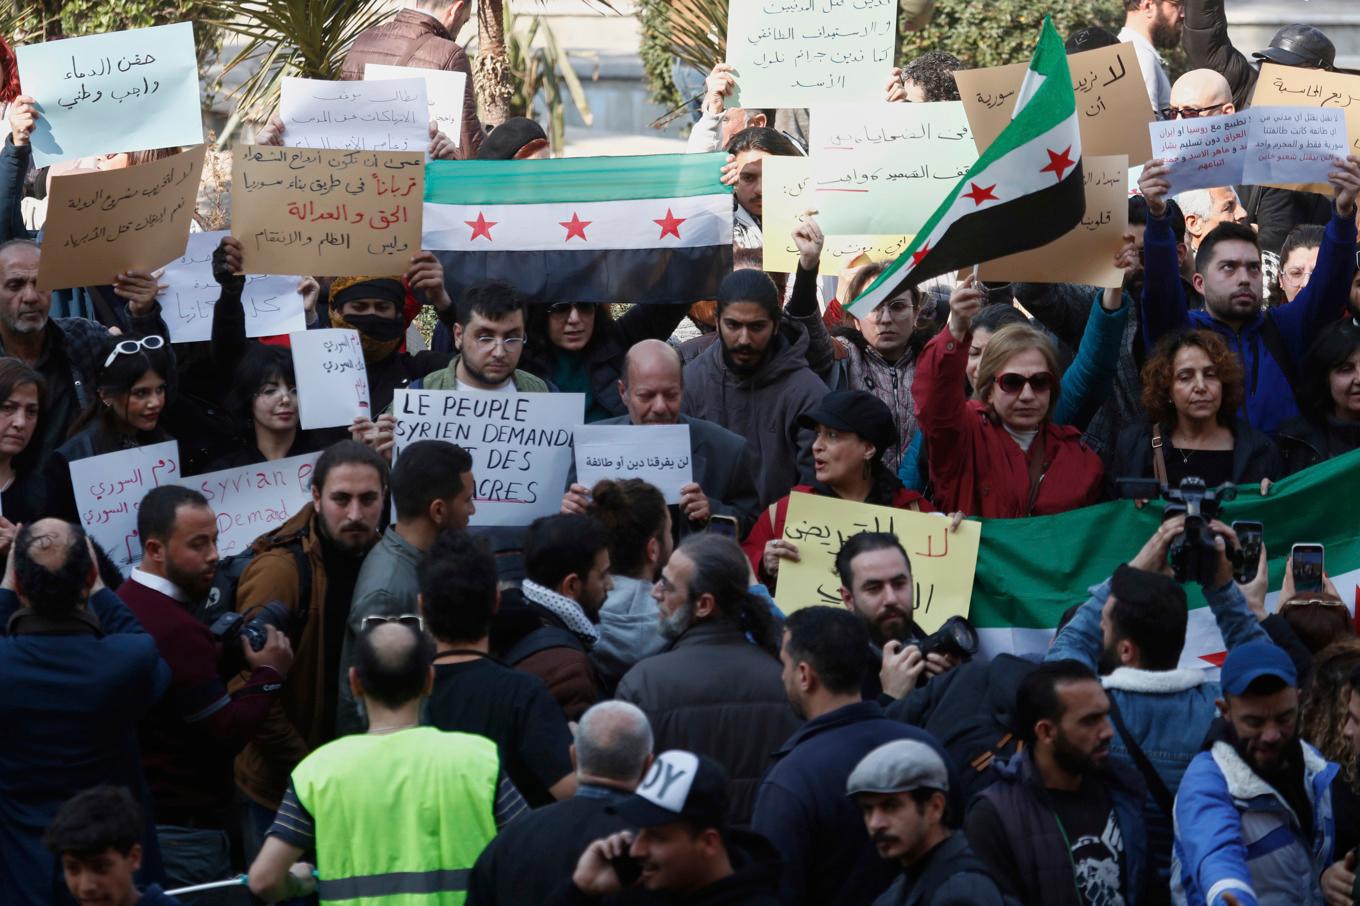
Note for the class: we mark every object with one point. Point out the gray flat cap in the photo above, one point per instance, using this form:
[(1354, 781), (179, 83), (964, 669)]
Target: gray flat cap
[(897, 767)]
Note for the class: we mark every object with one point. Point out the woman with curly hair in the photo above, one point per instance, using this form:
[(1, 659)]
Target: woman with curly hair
[(1192, 390), (1327, 709)]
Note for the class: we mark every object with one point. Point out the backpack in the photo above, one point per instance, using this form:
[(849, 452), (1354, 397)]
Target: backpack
[(221, 598), (543, 638)]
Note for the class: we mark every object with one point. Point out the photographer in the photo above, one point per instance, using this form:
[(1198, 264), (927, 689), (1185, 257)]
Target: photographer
[(1131, 631), (190, 737)]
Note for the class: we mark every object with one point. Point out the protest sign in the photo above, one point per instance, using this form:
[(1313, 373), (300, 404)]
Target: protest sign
[(102, 224), (520, 444), (251, 500), (1111, 100), (123, 91), (332, 384), (784, 184), (1295, 86), (881, 168), (342, 213), (942, 562), (387, 115), (444, 91), (1085, 255), (109, 490), (658, 454), (1285, 143), (272, 304), (797, 53)]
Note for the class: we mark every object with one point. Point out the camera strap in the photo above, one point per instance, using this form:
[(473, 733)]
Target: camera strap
[(1156, 786), (1158, 456)]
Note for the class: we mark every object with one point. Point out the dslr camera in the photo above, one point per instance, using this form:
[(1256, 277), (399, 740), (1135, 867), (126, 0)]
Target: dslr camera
[(957, 637), (230, 627), (1192, 553)]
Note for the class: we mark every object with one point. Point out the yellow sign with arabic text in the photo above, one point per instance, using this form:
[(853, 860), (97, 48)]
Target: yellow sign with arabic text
[(942, 562)]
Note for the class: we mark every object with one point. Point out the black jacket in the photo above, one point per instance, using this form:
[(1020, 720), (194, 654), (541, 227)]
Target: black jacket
[(1208, 46), (1254, 455), (952, 875), (1305, 442)]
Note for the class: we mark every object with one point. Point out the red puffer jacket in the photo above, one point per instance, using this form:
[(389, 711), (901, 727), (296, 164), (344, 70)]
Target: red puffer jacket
[(975, 466)]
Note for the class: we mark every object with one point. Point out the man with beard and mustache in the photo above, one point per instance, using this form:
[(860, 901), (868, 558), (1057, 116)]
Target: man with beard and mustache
[(189, 739), (1271, 344), (1132, 629), (308, 566), (1152, 26), (1063, 823), (1254, 814), (756, 383)]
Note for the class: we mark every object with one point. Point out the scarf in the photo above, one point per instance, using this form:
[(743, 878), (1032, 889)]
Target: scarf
[(564, 608)]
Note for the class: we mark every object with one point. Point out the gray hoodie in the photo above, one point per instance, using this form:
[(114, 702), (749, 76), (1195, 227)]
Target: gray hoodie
[(629, 630)]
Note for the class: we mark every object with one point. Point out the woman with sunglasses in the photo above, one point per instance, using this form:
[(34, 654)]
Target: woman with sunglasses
[(1192, 390), (579, 348), (263, 403), (1329, 398), (999, 455)]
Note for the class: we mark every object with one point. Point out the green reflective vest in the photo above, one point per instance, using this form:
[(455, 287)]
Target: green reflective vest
[(401, 818)]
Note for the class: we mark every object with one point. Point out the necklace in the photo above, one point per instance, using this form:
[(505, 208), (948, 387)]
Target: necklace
[(1185, 455), (378, 731)]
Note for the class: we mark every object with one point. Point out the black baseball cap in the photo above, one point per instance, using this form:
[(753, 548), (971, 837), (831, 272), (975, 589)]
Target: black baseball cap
[(506, 140), (858, 411), (681, 786), (1300, 45)]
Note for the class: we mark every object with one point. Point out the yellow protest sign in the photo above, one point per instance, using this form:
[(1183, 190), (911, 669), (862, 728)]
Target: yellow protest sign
[(942, 562), (1292, 86)]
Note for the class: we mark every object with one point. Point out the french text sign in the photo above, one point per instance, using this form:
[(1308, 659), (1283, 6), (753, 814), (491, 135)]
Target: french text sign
[(797, 53), (251, 500), (444, 90), (123, 91), (942, 562), (520, 444), (109, 490), (272, 304), (104, 223), (657, 454), (332, 382), (1294, 86), (391, 115), (303, 211)]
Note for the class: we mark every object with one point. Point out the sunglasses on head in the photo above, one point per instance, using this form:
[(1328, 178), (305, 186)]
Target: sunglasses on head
[(1011, 382), (132, 347), (405, 619)]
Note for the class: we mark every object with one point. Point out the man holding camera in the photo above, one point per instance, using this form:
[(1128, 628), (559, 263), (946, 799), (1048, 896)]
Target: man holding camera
[(190, 737)]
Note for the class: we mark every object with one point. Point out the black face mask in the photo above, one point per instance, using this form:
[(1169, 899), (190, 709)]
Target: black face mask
[(377, 327)]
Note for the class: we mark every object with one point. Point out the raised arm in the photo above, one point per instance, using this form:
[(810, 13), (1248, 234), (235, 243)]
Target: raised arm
[(937, 390), (1208, 46), (1164, 308)]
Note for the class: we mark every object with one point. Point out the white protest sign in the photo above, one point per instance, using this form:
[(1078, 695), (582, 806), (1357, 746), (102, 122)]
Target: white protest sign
[(355, 116), (252, 500), (272, 304), (520, 444), (109, 490), (658, 454), (332, 382), (444, 90)]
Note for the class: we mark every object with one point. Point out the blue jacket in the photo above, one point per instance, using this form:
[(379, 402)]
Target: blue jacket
[(1169, 712), (1235, 833), (1270, 400)]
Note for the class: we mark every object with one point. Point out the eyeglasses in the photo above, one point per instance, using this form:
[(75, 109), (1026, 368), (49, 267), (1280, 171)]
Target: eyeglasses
[(581, 308), (1189, 113), (898, 308), (487, 343), (1298, 273), (415, 621), (1011, 382), (1299, 602), (132, 347)]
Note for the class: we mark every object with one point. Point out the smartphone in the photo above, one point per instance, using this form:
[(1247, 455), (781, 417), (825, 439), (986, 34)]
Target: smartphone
[(1308, 567), (1249, 557), (627, 868), (723, 525)]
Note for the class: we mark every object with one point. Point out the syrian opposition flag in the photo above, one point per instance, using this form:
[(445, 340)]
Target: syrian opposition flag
[(1025, 190), (656, 228)]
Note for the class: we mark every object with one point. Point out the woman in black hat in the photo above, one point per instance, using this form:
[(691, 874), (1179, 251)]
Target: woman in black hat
[(854, 429)]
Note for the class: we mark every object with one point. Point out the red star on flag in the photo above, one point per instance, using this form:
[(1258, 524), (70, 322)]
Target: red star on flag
[(670, 225), (1058, 164), (481, 227), (979, 194), (918, 256), (575, 227)]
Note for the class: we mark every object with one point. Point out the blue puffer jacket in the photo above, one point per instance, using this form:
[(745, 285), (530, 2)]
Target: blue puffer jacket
[(1235, 834)]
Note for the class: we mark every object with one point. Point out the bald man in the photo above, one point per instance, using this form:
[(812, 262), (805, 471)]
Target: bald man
[(652, 387), (1200, 92)]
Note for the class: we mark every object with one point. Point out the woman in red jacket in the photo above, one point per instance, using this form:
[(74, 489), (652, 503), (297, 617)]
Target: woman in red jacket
[(999, 455), (854, 429)]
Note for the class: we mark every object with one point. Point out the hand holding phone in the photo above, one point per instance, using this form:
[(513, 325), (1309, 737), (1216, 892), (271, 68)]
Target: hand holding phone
[(1249, 535), (1308, 567)]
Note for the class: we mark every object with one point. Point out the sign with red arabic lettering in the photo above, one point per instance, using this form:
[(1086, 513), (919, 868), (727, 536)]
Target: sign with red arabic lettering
[(109, 490)]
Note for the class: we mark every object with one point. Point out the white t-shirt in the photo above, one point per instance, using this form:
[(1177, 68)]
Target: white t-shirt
[(1154, 71)]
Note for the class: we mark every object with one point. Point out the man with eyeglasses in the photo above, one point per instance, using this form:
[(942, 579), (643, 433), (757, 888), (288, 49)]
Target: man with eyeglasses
[(489, 337), (1152, 26)]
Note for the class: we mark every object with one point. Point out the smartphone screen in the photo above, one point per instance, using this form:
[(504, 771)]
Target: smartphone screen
[(1308, 567), (723, 525), (1249, 539)]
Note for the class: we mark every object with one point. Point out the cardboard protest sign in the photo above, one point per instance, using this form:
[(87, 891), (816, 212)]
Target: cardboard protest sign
[(389, 115), (272, 304), (657, 454), (109, 491), (251, 500), (520, 444), (332, 382), (797, 53), (1111, 100), (882, 168), (123, 91), (942, 562), (1085, 255), (307, 211), (784, 185), (101, 224), (444, 91), (1294, 86)]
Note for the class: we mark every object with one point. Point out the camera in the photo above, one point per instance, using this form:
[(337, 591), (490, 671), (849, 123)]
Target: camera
[(232, 626), (1192, 553), (957, 637)]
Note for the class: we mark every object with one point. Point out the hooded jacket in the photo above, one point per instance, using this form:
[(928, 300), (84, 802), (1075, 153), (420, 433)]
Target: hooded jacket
[(763, 407), (446, 378), (629, 631)]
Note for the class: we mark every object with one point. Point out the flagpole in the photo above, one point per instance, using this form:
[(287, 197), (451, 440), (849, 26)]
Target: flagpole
[(238, 881)]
